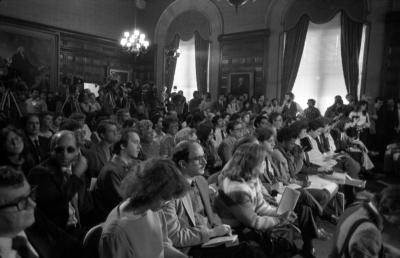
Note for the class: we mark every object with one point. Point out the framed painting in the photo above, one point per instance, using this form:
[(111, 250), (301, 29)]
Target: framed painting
[(241, 82), (32, 53), (120, 75)]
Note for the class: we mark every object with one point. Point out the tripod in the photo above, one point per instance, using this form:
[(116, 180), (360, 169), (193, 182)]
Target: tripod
[(71, 99), (7, 100)]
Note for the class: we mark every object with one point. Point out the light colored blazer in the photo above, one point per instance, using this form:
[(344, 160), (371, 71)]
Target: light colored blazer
[(180, 218)]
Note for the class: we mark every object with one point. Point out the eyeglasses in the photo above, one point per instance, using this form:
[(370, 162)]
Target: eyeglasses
[(61, 149), (23, 202)]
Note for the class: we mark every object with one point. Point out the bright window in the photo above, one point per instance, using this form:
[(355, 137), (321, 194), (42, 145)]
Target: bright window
[(320, 74), (185, 71)]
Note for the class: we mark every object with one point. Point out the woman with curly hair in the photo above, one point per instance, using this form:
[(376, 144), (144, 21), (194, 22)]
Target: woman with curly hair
[(13, 151), (136, 227)]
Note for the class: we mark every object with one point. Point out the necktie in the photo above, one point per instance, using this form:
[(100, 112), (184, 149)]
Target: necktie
[(20, 244), (36, 146), (321, 149)]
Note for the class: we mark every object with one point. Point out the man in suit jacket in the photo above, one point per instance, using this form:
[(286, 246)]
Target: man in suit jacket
[(99, 154), (235, 132), (60, 183), (190, 219), (37, 145), (24, 231)]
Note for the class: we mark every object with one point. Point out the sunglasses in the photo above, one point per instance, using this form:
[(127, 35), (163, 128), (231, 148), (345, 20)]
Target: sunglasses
[(61, 149), (23, 202)]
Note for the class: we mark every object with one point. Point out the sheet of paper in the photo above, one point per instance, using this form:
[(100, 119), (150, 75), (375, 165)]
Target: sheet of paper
[(288, 200), (220, 240)]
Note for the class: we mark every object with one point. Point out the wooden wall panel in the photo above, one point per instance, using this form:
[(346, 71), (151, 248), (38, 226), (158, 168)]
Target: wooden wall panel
[(243, 52)]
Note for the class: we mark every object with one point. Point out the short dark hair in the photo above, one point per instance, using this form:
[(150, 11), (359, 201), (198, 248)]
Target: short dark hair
[(263, 134), (46, 113), (286, 134), (153, 180), (273, 116), (298, 126), (10, 177), (70, 125), (154, 119), (235, 117), (215, 119), (258, 119), (203, 131), (77, 116), (231, 126), (101, 127), (168, 121), (312, 101), (290, 94), (315, 124), (123, 141)]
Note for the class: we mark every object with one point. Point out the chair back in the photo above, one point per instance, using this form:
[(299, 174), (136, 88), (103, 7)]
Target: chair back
[(91, 242)]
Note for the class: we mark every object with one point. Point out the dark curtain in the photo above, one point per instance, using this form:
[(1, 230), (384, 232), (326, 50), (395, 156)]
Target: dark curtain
[(201, 47), (350, 40), (171, 63), (294, 45)]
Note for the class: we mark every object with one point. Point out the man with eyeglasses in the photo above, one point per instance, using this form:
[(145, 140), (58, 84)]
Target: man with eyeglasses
[(235, 132), (61, 186), (24, 231), (190, 219)]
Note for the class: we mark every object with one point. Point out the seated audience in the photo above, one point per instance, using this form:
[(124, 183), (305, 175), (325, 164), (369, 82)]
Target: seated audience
[(34, 143), (24, 231), (205, 134), (13, 150), (235, 132), (99, 154), (60, 183), (167, 144), (149, 147), (107, 191), (158, 134), (46, 121), (137, 227), (190, 219), (241, 203), (219, 130)]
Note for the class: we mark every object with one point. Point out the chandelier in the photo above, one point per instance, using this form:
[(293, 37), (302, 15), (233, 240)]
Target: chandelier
[(134, 42)]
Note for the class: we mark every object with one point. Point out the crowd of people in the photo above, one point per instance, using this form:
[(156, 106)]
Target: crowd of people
[(160, 178)]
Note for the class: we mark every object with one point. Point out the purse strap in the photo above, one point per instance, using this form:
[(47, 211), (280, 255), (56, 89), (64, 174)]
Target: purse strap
[(345, 245)]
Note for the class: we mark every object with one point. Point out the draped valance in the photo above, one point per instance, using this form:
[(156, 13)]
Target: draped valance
[(322, 11)]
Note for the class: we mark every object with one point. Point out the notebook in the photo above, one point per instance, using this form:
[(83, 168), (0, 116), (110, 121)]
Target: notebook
[(227, 240), (288, 201)]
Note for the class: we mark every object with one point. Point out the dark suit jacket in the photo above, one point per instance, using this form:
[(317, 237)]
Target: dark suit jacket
[(50, 241), (107, 192), (54, 192), (41, 154), (180, 218), (97, 158)]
